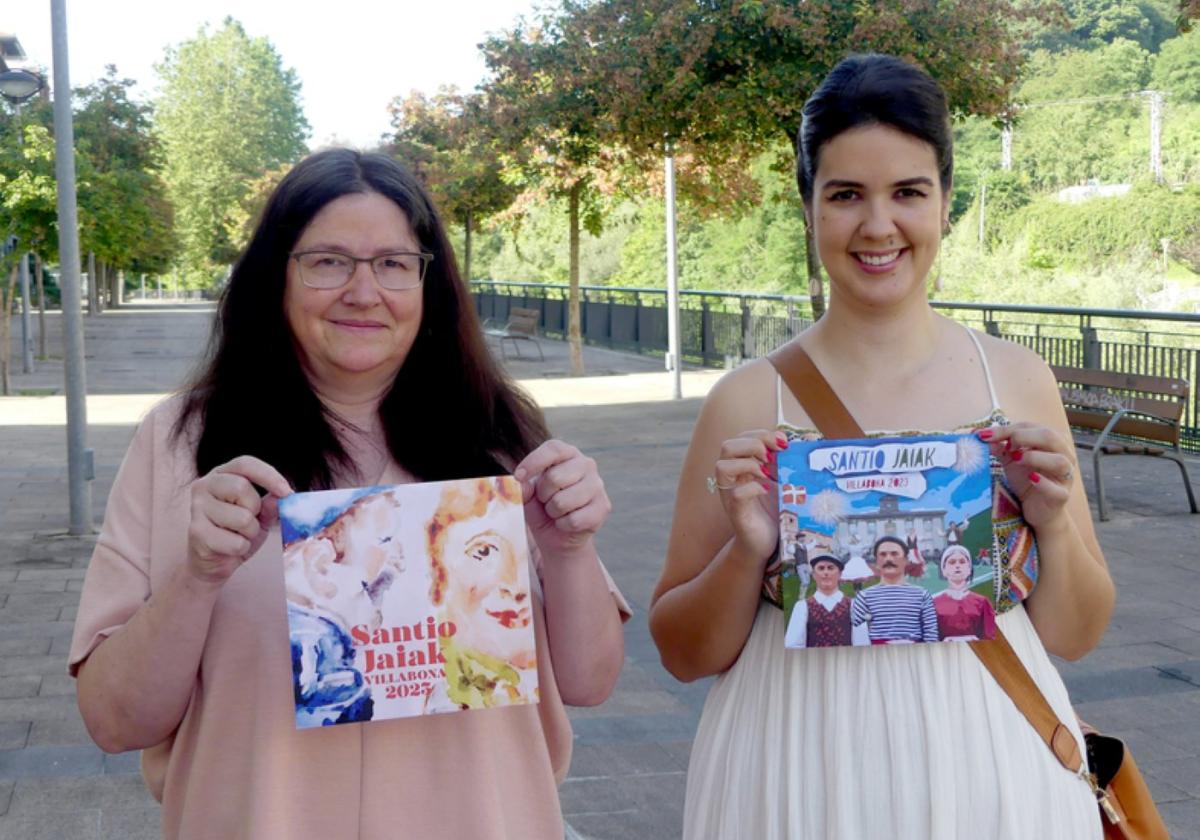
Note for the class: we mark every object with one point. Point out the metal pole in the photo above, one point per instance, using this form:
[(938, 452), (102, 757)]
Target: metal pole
[(982, 208), (1156, 103), (1006, 147), (673, 355), (26, 330), (79, 457)]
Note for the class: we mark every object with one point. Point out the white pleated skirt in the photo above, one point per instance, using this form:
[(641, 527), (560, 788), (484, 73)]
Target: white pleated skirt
[(912, 742)]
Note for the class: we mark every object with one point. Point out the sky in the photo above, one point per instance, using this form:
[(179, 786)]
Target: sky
[(352, 56)]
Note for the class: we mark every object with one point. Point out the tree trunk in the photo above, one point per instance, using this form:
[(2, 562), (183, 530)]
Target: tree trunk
[(7, 292), (467, 250), (816, 285), (41, 287), (574, 334)]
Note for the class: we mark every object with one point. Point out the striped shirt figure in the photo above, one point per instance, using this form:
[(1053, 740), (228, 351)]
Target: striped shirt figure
[(896, 613)]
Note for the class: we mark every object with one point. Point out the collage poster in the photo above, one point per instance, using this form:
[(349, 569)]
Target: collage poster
[(886, 540), (408, 600)]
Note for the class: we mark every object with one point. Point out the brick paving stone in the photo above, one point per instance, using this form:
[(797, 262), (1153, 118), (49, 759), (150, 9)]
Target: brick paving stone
[(65, 732), (131, 823), (58, 684), (1183, 819), (77, 825), (14, 735), (21, 685), (24, 647), (6, 789)]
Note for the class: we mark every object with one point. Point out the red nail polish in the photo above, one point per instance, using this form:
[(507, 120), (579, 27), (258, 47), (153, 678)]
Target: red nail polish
[(1017, 455), (1034, 477), (782, 441), (770, 454), (765, 471), (765, 486), (985, 434)]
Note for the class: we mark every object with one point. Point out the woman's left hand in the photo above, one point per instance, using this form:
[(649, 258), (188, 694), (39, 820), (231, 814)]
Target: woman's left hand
[(1039, 464), (565, 501)]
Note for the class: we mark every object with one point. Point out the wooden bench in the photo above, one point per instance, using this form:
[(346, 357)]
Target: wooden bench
[(521, 326), (1142, 411)]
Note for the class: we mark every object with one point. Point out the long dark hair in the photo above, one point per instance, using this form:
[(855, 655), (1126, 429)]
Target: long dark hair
[(450, 412), (874, 89)]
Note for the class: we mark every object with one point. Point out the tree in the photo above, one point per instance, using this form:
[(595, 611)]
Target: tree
[(723, 74), (1094, 23), (229, 112), (28, 209), (547, 118), (447, 141), (126, 218), (1177, 67)]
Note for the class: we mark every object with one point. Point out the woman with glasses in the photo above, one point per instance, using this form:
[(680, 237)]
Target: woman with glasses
[(346, 353)]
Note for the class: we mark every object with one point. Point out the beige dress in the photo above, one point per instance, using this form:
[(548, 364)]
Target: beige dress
[(237, 767), (913, 742)]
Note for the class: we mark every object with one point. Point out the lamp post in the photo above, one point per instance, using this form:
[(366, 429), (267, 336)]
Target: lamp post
[(18, 87)]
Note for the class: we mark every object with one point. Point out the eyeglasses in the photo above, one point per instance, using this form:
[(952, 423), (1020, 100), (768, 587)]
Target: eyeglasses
[(332, 270)]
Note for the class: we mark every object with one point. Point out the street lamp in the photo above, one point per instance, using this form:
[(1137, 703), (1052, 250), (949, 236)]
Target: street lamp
[(19, 86)]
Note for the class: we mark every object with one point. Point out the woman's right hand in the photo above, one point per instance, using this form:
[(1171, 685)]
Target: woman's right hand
[(230, 521), (745, 475)]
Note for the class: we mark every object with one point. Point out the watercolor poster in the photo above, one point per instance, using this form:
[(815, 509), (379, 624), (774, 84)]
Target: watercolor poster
[(886, 541), (408, 600)]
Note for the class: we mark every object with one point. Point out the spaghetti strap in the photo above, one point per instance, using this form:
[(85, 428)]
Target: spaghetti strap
[(987, 371), (779, 421)]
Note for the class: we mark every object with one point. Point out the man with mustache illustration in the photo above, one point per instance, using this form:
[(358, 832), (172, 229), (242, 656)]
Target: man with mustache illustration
[(896, 612)]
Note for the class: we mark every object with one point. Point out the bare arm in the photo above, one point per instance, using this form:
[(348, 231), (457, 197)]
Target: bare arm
[(135, 686), (1073, 601), (565, 505), (706, 599)]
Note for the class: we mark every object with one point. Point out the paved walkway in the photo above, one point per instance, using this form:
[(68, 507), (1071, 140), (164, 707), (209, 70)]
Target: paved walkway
[(628, 775)]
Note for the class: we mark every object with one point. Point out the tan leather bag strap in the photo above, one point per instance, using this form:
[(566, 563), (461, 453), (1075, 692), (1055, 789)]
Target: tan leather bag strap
[(831, 418)]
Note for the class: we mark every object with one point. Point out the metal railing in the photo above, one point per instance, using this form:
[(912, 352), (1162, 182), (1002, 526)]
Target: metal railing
[(722, 328)]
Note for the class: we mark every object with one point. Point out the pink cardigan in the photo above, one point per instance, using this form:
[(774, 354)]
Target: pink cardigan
[(237, 768)]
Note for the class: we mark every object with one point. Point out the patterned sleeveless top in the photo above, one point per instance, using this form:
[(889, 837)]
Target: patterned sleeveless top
[(1014, 547)]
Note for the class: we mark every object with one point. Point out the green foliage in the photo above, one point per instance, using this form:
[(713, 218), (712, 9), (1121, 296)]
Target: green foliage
[(229, 112), (1104, 230), (1093, 23), (762, 249), (1177, 68), (125, 216)]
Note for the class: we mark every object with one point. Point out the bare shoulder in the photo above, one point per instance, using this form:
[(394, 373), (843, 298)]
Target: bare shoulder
[(744, 398), (1025, 385)]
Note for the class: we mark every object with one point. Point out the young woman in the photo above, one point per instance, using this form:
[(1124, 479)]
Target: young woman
[(913, 741)]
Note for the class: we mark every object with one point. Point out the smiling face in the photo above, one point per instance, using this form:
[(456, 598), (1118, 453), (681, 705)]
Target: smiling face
[(360, 331), (477, 544), (877, 213)]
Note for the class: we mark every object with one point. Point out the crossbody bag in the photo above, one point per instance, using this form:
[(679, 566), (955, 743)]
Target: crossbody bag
[(1127, 810)]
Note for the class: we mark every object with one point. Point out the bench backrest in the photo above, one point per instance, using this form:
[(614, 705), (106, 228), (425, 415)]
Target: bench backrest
[(523, 321), (1155, 403)]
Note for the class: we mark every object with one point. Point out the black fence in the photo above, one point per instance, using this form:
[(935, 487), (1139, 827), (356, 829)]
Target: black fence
[(722, 328)]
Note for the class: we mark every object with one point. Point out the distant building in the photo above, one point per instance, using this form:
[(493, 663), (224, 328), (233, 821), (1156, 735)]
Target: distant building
[(11, 52), (1075, 195), (857, 532)]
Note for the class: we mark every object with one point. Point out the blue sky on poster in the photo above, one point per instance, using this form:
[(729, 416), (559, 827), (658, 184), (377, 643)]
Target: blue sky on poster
[(961, 494), (352, 56)]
